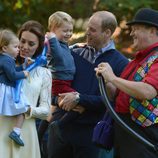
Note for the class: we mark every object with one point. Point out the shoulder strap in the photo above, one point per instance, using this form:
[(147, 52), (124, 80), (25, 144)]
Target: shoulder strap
[(143, 70)]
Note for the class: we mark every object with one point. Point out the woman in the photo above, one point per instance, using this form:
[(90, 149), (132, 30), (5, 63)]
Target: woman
[(36, 88)]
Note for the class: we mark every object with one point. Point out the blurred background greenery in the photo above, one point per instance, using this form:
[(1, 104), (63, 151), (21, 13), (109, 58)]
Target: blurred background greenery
[(15, 12)]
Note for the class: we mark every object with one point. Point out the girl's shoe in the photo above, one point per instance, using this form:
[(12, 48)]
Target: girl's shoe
[(14, 136)]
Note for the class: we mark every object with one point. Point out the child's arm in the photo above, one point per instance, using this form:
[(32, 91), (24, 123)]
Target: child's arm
[(26, 73), (10, 71), (55, 47), (50, 35)]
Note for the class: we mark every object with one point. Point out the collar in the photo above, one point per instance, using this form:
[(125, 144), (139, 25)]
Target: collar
[(110, 46), (91, 55), (144, 53), (8, 55)]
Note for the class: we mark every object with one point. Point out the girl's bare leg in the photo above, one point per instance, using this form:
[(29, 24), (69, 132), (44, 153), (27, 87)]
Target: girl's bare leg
[(15, 134), (19, 120)]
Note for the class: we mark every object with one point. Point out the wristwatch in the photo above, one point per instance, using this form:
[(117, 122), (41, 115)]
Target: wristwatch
[(77, 98)]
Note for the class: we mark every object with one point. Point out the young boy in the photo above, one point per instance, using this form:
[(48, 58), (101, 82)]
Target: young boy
[(60, 25)]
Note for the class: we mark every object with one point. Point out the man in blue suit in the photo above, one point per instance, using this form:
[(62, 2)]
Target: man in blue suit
[(74, 140)]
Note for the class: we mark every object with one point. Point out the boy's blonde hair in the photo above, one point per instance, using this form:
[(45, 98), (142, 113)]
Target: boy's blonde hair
[(57, 19), (6, 36)]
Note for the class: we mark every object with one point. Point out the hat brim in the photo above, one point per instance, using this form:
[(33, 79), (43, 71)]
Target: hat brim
[(141, 22)]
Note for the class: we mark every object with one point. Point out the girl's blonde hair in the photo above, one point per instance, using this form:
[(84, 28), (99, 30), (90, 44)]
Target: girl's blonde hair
[(6, 36), (58, 18)]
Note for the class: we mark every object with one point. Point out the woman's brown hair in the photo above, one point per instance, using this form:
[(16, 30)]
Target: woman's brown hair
[(36, 28)]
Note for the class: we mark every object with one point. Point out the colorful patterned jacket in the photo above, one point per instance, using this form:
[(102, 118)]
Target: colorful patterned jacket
[(144, 113)]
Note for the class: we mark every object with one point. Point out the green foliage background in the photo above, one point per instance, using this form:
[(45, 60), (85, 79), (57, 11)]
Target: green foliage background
[(15, 12)]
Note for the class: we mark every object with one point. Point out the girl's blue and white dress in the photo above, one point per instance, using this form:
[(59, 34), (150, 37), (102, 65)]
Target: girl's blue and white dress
[(7, 105), (8, 77)]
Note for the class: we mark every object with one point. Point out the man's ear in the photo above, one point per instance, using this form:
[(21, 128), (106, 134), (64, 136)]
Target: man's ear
[(108, 33), (153, 30)]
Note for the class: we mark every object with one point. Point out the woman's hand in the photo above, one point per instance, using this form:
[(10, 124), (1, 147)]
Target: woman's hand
[(28, 111)]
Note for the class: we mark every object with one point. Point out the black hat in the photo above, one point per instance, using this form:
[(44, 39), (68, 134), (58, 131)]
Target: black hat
[(145, 16)]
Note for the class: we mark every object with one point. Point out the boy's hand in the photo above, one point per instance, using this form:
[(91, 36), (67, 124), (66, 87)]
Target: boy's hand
[(50, 35)]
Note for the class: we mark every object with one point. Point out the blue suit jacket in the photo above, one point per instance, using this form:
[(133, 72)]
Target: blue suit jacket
[(86, 83)]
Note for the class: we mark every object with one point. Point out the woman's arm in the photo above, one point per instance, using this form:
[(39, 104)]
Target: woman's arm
[(43, 109)]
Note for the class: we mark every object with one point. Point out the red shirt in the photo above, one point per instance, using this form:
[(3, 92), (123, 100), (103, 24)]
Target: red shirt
[(122, 99), (61, 86)]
